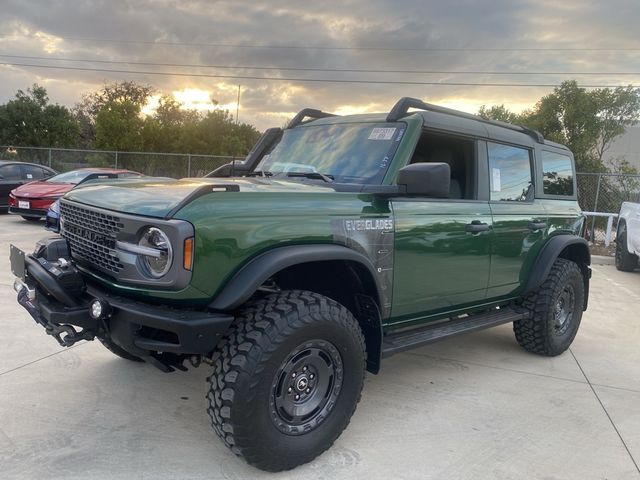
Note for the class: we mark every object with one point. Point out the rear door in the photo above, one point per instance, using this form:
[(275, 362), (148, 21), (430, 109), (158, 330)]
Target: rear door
[(519, 223)]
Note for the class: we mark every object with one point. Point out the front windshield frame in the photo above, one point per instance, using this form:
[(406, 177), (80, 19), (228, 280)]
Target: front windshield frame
[(319, 152)]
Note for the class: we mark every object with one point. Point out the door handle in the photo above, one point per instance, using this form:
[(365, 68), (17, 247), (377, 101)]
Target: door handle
[(476, 227), (533, 226)]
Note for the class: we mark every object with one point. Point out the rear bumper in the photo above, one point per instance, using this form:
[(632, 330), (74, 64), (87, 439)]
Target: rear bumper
[(140, 328)]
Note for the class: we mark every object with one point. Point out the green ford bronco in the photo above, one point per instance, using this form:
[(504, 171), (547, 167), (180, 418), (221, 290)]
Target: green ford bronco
[(338, 241)]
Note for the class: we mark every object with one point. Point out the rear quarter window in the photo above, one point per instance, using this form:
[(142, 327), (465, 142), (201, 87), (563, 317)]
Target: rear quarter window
[(557, 174)]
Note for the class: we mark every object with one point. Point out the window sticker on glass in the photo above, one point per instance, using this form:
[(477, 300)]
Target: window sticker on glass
[(495, 180), (29, 175), (380, 133)]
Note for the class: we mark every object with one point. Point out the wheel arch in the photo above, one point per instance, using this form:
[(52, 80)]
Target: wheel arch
[(335, 271), (570, 247)]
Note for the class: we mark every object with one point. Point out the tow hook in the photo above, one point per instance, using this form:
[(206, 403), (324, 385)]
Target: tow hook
[(66, 335), (19, 285)]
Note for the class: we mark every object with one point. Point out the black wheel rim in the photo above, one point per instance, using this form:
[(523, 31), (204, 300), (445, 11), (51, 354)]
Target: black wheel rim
[(306, 387), (563, 310)]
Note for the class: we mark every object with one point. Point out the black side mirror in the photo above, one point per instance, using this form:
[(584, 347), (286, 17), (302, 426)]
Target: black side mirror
[(425, 179)]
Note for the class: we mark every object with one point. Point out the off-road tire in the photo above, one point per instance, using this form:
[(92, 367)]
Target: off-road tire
[(540, 331), (31, 219), (116, 350), (625, 261), (248, 361)]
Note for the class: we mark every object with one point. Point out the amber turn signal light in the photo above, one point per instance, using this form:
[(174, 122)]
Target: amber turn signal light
[(187, 262)]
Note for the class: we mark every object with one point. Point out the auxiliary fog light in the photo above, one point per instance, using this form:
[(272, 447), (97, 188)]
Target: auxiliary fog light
[(99, 309)]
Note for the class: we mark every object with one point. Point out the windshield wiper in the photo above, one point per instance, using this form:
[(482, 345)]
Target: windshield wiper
[(259, 173), (313, 175)]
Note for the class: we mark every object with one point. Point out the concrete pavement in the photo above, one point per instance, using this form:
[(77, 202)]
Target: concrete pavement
[(473, 407)]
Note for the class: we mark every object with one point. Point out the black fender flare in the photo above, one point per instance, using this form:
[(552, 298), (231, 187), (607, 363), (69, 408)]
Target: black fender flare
[(256, 271), (579, 253)]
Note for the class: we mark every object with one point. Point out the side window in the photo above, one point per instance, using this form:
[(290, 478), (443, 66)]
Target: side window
[(32, 172), (509, 172), (458, 153), (557, 174), (10, 172)]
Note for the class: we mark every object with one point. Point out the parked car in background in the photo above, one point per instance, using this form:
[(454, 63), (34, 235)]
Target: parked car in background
[(52, 219), (628, 237), (32, 200), (14, 174)]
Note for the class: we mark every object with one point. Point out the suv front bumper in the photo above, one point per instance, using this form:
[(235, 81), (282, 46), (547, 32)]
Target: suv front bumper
[(140, 328)]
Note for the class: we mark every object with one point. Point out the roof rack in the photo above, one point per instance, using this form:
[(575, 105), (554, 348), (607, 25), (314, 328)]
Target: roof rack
[(310, 113), (400, 109)]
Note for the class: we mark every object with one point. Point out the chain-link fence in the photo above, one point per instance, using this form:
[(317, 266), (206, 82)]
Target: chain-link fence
[(604, 193), (176, 165)]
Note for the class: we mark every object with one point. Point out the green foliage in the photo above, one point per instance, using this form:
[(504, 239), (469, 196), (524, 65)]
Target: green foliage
[(499, 112), (30, 120), (119, 126), (586, 121)]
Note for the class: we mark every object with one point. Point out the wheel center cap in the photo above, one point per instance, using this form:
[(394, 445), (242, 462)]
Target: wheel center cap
[(302, 383)]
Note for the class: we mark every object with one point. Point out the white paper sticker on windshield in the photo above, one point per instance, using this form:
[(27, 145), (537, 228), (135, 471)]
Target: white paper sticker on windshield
[(495, 180), (380, 133)]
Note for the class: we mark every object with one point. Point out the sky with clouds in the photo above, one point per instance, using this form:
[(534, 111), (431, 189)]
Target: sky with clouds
[(349, 34)]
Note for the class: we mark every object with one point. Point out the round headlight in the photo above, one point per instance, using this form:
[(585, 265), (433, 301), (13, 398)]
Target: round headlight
[(159, 263)]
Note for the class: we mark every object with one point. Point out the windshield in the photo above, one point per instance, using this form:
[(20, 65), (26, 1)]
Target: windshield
[(347, 153), (73, 177)]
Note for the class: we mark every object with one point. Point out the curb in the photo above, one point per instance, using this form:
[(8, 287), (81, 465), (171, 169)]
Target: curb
[(602, 260)]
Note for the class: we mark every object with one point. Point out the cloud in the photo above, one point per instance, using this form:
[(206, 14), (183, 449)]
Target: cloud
[(64, 29)]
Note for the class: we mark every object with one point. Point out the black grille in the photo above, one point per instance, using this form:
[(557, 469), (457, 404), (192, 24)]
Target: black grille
[(91, 235)]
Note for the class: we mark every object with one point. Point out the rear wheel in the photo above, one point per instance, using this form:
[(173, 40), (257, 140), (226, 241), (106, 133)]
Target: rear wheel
[(555, 311), (31, 219), (286, 379), (625, 261)]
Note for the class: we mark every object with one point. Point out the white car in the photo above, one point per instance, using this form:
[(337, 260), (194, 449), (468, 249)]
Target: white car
[(628, 237)]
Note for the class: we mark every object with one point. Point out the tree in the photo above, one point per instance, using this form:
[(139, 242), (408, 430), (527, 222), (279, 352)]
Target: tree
[(118, 126), (30, 120), (87, 110), (586, 121), (498, 112)]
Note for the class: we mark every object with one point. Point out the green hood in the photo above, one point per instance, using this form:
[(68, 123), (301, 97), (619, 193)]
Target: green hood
[(158, 197)]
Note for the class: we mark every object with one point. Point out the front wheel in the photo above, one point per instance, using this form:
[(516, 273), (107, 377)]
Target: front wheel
[(554, 311), (286, 379), (625, 261)]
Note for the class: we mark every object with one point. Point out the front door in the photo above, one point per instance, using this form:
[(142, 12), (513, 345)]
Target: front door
[(442, 256)]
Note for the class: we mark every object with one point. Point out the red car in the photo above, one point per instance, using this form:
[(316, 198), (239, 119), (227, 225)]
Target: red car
[(32, 200)]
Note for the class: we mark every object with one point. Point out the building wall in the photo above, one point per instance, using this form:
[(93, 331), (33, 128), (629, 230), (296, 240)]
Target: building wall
[(626, 145)]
